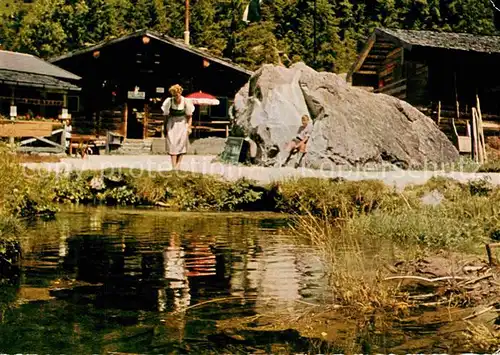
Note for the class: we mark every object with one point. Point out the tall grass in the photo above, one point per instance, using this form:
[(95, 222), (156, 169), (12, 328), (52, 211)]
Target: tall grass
[(355, 263), (21, 192)]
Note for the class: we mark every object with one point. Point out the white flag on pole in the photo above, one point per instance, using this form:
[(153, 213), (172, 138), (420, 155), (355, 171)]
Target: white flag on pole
[(252, 11)]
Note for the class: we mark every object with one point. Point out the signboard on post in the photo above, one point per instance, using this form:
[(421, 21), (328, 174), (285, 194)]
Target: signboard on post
[(232, 150), (65, 114), (13, 111), (136, 95)]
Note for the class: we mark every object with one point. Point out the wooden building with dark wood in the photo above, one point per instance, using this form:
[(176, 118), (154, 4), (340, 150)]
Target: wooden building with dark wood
[(34, 87), (126, 79), (437, 72)]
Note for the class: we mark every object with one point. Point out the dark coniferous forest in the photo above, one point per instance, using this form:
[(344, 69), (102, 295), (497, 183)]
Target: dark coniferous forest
[(326, 34)]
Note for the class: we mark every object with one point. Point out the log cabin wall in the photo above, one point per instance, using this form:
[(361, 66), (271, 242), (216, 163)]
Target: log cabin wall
[(417, 83), (391, 75)]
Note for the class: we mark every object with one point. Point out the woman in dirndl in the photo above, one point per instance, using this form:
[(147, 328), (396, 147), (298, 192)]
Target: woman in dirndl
[(179, 117)]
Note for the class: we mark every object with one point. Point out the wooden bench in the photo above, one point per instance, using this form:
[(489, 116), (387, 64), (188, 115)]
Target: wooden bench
[(212, 126)]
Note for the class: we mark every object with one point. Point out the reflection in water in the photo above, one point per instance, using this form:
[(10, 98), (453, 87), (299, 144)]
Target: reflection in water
[(144, 265), (176, 273)]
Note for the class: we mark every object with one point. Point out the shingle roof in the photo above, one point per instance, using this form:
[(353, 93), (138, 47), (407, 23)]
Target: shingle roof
[(162, 38), (27, 63), (445, 40), (34, 80)]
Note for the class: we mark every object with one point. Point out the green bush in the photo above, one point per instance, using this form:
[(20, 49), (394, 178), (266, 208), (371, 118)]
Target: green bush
[(190, 191), (335, 198), (74, 188)]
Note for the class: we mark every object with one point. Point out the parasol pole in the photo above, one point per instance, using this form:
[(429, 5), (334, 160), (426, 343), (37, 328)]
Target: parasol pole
[(186, 29)]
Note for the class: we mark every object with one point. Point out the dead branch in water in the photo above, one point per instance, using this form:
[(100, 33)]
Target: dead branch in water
[(477, 314), (423, 297), (216, 300), (420, 278), (477, 279)]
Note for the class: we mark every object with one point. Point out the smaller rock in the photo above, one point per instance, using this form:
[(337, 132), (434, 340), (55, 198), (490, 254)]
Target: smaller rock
[(97, 183), (433, 198)]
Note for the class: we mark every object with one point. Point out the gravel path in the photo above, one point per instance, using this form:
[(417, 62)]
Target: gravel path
[(204, 164)]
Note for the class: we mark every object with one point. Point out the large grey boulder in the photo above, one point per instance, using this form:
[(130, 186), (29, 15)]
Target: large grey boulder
[(351, 126)]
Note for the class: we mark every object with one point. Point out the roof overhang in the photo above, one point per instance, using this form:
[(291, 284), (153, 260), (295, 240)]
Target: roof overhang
[(162, 38), (16, 78), (41, 86)]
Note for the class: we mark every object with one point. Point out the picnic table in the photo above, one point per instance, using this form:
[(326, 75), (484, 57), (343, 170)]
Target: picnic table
[(85, 144)]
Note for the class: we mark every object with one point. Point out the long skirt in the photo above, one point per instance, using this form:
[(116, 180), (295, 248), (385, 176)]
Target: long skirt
[(177, 135)]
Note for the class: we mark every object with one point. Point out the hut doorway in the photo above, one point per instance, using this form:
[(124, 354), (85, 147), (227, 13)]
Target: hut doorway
[(135, 119)]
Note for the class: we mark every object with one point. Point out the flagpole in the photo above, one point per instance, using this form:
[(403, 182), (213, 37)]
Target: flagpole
[(315, 45), (186, 29)]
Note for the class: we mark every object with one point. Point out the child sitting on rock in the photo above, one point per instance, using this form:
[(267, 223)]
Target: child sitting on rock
[(299, 143)]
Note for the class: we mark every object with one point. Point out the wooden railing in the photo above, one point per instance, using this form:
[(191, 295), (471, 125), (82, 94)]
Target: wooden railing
[(156, 121)]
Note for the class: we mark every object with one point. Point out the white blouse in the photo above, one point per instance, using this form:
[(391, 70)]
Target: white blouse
[(185, 104)]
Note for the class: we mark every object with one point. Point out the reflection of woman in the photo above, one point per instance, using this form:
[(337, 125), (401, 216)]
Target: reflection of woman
[(175, 273), (179, 112)]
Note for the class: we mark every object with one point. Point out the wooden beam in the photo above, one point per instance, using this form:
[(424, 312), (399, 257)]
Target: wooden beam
[(394, 52), (489, 125), (385, 45), (394, 84), (379, 51), (27, 149), (49, 142), (145, 121), (31, 140), (362, 56), (366, 72), (394, 90), (376, 57), (125, 120), (25, 129)]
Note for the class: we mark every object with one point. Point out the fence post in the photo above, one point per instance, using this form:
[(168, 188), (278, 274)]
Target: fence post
[(107, 141)]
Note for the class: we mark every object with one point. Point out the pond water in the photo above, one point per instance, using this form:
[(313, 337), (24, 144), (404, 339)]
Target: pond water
[(102, 280)]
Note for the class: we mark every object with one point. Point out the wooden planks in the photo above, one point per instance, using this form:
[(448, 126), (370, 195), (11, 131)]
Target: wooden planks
[(362, 57), (25, 128)]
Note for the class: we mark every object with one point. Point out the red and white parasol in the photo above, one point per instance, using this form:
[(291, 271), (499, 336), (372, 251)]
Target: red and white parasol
[(201, 98)]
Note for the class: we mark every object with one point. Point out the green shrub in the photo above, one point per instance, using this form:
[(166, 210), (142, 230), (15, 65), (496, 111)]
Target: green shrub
[(73, 188), (335, 198), (122, 195), (190, 191)]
